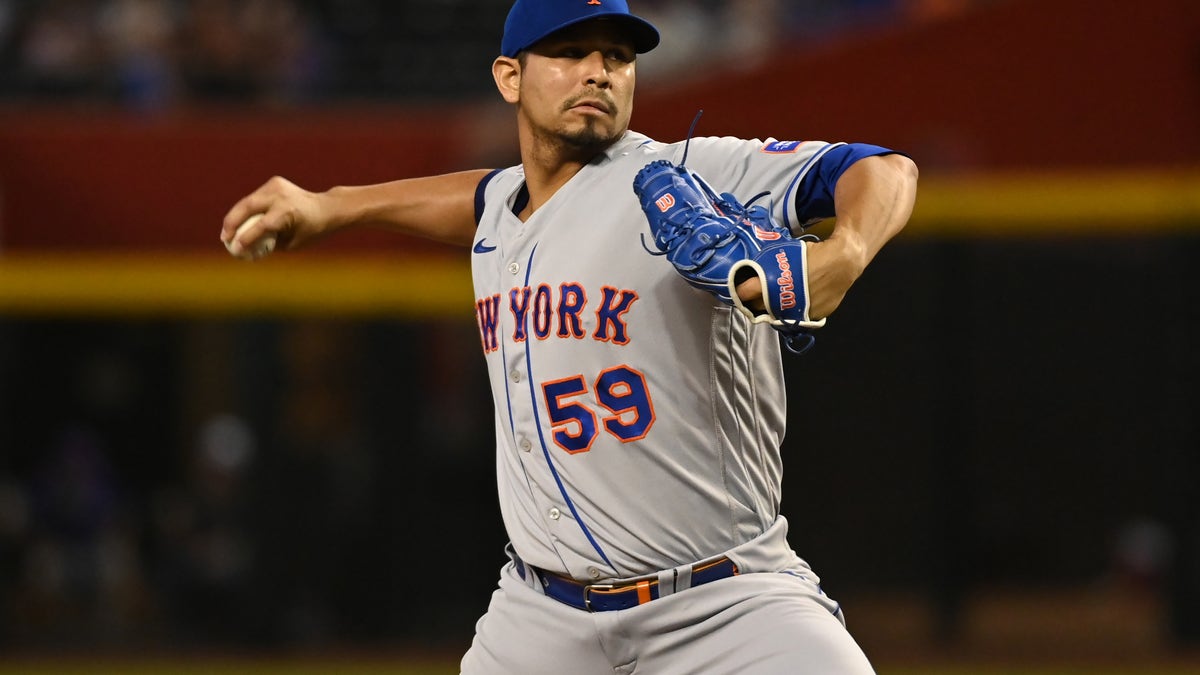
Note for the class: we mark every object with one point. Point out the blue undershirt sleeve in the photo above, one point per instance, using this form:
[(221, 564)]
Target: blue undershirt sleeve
[(814, 195)]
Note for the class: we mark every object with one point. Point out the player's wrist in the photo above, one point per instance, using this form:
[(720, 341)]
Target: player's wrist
[(844, 253), (337, 208), (833, 265)]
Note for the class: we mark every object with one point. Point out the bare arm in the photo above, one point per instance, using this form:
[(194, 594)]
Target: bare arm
[(441, 208), (873, 200)]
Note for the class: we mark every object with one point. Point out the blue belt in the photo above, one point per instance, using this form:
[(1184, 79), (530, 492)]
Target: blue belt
[(621, 595)]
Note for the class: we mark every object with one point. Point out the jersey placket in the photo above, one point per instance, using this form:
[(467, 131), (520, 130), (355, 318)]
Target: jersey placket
[(557, 512)]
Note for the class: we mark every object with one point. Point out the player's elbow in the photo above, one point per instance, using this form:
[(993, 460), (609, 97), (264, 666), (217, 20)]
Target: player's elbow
[(909, 173), (900, 175), (905, 171)]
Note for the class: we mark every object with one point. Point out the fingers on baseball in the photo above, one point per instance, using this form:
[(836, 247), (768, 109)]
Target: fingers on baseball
[(238, 215), (251, 240), (259, 202)]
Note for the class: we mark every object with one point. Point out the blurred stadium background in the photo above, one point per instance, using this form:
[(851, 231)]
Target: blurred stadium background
[(213, 466)]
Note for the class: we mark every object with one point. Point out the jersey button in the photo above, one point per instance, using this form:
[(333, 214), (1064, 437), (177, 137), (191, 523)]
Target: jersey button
[(513, 267), (593, 572), (526, 445), (554, 514), (515, 376)]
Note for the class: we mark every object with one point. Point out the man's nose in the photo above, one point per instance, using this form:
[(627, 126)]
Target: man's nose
[(596, 69)]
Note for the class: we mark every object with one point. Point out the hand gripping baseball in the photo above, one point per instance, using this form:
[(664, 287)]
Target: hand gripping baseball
[(710, 239)]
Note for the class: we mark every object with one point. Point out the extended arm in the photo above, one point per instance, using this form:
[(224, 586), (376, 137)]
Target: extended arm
[(441, 208)]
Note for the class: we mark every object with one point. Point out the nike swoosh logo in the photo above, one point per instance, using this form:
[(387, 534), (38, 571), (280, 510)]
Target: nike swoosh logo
[(481, 247)]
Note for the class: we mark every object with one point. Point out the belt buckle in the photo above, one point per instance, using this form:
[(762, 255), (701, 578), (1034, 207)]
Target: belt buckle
[(587, 594)]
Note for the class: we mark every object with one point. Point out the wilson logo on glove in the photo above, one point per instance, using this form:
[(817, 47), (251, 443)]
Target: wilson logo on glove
[(787, 287), (665, 202)]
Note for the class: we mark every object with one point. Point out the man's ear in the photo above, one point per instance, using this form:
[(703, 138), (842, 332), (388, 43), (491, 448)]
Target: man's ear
[(507, 73)]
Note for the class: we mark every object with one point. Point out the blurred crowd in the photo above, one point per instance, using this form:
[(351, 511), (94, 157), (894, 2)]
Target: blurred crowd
[(157, 53), (251, 484)]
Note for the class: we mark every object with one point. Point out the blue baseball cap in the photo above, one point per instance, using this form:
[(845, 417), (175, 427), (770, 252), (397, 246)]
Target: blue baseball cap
[(529, 21)]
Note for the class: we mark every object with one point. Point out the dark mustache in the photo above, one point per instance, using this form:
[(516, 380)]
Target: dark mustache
[(608, 104)]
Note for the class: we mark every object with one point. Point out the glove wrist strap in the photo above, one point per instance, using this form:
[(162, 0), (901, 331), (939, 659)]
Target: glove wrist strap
[(782, 271)]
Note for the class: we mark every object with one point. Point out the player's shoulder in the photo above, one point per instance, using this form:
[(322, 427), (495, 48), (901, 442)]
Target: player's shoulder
[(715, 154), (725, 148), (770, 146)]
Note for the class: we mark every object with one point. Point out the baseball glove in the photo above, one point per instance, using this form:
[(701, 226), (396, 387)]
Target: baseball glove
[(714, 241)]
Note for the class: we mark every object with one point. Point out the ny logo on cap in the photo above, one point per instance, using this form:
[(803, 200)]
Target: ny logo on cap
[(593, 2)]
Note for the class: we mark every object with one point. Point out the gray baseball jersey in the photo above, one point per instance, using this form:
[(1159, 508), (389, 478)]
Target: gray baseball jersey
[(638, 423), (638, 420)]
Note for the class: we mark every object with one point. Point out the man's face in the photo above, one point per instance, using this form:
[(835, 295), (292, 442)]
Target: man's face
[(577, 85)]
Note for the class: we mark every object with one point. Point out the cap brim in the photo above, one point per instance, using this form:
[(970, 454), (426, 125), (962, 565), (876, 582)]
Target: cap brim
[(645, 35)]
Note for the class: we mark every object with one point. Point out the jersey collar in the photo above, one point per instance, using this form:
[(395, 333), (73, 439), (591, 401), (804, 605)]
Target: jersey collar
[(623, 145)]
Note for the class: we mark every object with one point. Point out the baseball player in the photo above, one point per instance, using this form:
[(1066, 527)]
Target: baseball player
[(639, 408)]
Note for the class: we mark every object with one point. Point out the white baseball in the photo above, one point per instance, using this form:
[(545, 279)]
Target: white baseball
[(262, 247)]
